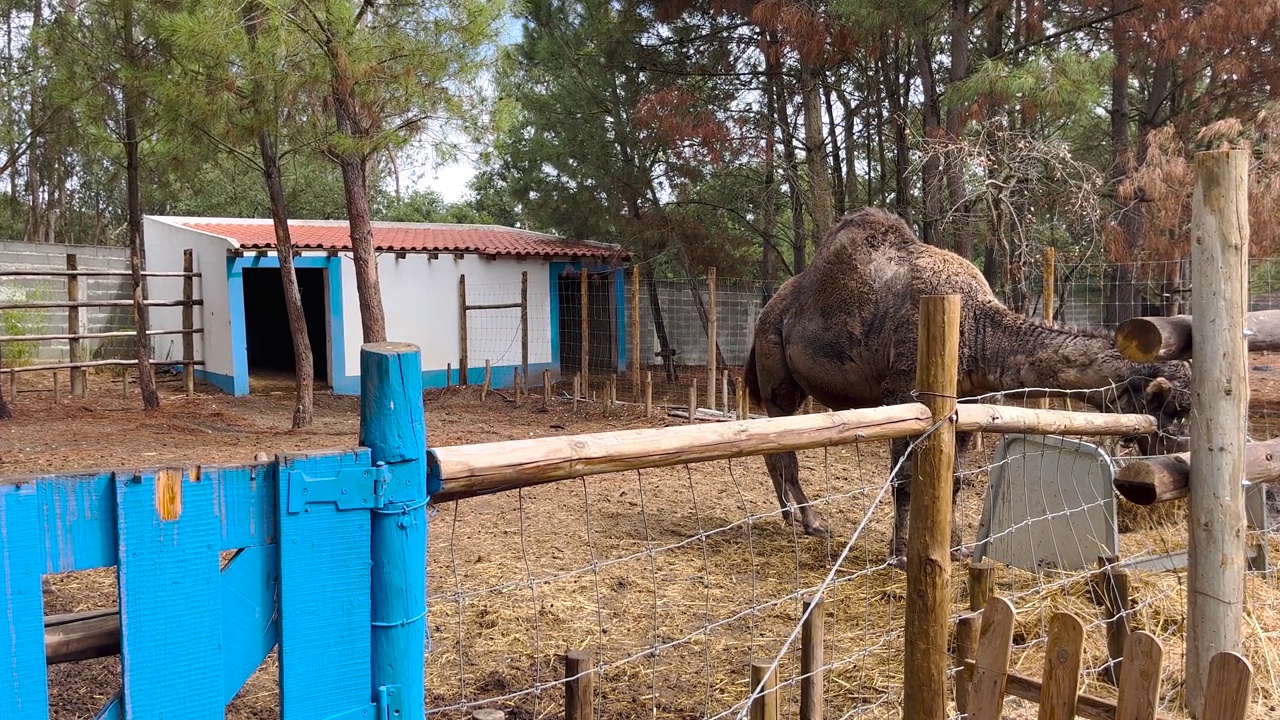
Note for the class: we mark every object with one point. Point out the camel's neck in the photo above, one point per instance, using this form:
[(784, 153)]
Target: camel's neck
[(1013, 353)]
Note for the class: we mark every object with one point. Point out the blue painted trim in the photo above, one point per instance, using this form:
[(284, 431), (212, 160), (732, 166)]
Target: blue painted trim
[(620, 314), (225, 383), (341, 383)]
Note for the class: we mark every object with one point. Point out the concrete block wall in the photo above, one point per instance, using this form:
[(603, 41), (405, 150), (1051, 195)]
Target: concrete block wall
[(40, 321)]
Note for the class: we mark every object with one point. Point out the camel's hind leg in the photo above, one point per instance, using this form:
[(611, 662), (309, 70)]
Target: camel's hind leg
[(783, 396), (902, 500)]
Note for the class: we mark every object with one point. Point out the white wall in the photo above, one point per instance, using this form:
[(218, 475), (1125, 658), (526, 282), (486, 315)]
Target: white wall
[(164, 244), (420, 298)]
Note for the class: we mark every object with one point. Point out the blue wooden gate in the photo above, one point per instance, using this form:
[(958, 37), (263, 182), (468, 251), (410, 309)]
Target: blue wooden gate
[(329, 565)]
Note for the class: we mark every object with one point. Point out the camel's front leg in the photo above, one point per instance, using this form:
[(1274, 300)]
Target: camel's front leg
[(901, 480), (784, 470)]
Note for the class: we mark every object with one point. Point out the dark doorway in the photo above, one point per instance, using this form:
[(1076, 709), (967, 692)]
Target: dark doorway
[(602, 347), (266, 322)]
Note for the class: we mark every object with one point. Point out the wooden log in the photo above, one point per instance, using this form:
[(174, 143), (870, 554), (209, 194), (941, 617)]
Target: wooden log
[(479, 469), (546, 386), (764, 677), (188, 323), (462, 330), (1157, 339), (577, 390), (45, 367), (81, 636), (93, 335), (712, 335), (1219, 415), (929, 530), (724, 391), (744, 403), (487, 382), (982, 584), (579, 684), (1168, 477), (693, 399), (524, 323), (30, 304), (648, 393), (972, 417), (811, 662), (41, 272)]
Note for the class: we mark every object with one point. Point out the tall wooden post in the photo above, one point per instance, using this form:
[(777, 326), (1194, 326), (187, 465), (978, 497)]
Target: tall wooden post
[(711, 338), (811, 662), (188, 322), (585, 350), (579, 680), (392, 426), (635, 330), (1219, 413), (462, 330), (75, 350), (524, 325), (929, 529)]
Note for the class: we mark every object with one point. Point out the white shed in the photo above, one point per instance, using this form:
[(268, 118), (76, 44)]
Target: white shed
[(245, 329)]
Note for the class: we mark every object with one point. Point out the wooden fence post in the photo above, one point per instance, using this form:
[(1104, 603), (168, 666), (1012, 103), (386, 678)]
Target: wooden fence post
[(635, 330), (711, 338), (524, 323), (392, 426), (811, 660), (578, 686), (546, 386), (1219, 414), (188, 323), (693, 398), (968, 630), (462, 330), (765, 705), (744, 404), (929, 531), (585, 325), (1113, 585), (648, 393), (981, 584), (75, 350)]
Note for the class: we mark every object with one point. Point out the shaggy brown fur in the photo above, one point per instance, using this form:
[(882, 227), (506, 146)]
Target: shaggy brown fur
[(844, 332)]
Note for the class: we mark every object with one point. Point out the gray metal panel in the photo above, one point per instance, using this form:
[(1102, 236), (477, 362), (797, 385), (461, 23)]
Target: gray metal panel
[(1050, 504)]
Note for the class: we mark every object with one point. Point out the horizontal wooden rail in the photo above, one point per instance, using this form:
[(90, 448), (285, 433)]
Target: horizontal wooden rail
[(93, 303), (94, 335), (1020, 686), (495, 306), (93, 363), (81, 636), (91, 273), (481, 469)]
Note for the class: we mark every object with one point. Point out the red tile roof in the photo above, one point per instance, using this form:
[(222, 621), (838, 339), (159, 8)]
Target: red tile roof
[(409, 237)]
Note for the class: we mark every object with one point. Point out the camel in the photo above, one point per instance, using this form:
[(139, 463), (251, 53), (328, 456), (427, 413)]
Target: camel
[(843, 332)]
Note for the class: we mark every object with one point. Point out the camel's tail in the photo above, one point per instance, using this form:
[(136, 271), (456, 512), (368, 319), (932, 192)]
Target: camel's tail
[(749, 378)]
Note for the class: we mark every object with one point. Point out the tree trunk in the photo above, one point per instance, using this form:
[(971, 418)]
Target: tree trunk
[(131, 106), (815, 153), (304, 363), (837, 169), (931, 181), (768, 212), (373, 321), (961, 237), (659, 325), (1121, 299), (798, 239)]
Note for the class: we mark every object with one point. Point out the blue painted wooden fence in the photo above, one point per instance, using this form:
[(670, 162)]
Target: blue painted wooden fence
[(330, 567)]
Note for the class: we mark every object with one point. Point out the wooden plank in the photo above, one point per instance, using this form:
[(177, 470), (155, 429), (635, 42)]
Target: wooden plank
[(1219, 414), (249, 627), (929, 532), (168, 575), (48, 272), (29, 304), (1062, 657), (1231, 678), (325, 635), (79, 513), (1088, 706), (991, 663), (24, 693), (966, 643), (92, 335), (45, 367), (1139, 686)]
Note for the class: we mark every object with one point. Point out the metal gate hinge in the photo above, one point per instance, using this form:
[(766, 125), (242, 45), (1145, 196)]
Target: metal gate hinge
[(390, 704), (350, 489)]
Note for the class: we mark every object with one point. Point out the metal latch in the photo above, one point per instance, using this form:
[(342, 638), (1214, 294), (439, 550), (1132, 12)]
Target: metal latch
[(351, 489)]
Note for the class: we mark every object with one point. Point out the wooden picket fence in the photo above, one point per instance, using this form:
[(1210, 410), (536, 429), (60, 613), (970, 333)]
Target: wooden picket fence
[(983, 679)]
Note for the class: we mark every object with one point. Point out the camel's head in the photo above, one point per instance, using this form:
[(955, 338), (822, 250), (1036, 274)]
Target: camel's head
[(1162, 391)]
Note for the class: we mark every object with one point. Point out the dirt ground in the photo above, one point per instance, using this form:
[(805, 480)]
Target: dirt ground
[(674, 579)]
